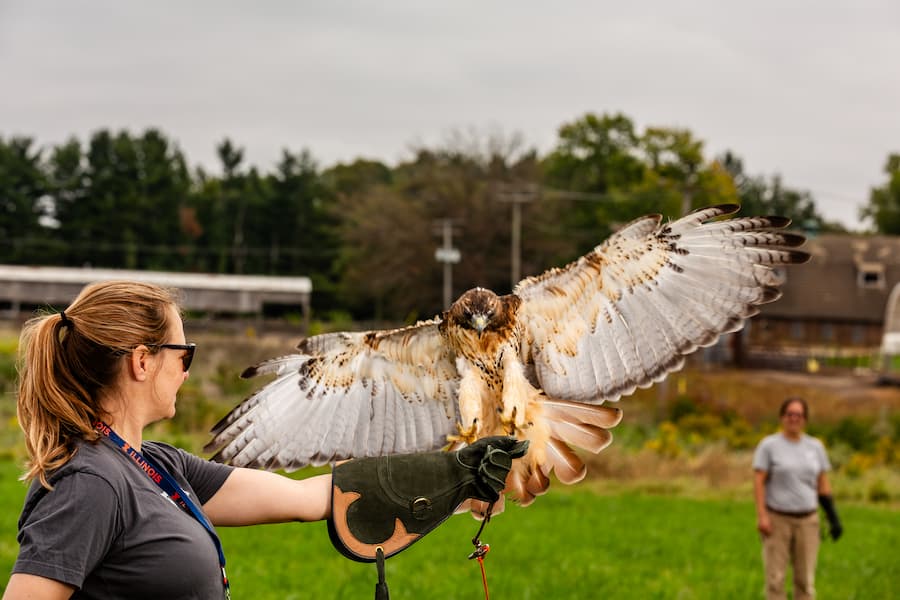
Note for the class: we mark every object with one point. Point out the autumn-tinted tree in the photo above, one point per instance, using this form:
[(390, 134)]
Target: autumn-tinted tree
[(390, 231)]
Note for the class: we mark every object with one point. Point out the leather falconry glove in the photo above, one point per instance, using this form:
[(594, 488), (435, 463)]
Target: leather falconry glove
[(392, 501), (834, 523)]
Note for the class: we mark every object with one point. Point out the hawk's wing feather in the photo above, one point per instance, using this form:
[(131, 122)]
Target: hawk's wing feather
[(627, 313), (345, 395)]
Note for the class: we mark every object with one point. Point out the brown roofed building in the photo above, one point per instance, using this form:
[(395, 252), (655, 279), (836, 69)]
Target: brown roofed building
[(836, 300)]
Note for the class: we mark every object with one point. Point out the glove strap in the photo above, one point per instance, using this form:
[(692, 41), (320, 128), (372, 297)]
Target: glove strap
[(381, 588), (481, 550)]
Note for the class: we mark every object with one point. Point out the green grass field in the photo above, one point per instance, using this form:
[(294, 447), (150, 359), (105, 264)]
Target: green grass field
[(571, 543)]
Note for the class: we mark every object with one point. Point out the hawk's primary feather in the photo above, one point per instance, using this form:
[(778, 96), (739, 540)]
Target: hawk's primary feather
[(538, 363)]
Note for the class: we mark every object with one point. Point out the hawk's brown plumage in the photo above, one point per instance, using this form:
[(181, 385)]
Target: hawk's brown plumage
[(538, 363)]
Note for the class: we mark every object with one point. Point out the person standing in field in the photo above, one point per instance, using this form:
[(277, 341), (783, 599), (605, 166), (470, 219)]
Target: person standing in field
[(790, 481), (111, 515)]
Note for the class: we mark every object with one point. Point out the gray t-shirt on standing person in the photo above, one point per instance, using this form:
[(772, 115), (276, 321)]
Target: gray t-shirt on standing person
[(793, 470), (107, 529)]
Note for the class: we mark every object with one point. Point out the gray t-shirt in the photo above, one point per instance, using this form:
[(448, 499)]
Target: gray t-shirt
[(108, 530), (792, 469)]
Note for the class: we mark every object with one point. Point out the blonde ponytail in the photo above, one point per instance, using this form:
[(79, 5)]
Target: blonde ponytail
[(65, 360)]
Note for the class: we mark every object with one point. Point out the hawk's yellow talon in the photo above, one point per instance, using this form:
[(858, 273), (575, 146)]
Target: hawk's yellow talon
[(467, 435)]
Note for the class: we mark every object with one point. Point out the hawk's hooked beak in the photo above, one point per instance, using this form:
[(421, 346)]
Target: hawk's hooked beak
[(478, 322)]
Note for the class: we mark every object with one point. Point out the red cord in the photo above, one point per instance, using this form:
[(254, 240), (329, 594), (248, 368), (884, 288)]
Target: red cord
[(482, 549), (483, 575)]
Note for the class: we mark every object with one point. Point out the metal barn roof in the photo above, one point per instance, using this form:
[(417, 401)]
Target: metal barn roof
[(200, 291)]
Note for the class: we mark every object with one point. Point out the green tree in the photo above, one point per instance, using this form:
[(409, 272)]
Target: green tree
[(595, 154), (85, 201), (760, 196), (234, 205), (883, 209), (163, 188), (618, 174), (67, 190), (598, 158), (23, 185), (118, 202), (299, 225), (674, 159), (218, 211), (297, 222), (345, 179)]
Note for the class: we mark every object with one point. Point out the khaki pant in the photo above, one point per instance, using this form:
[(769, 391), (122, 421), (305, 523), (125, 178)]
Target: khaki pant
[(794, 539)]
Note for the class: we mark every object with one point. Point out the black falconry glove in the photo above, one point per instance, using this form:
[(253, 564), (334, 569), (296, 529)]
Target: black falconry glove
[(392, 501), (834, 523)]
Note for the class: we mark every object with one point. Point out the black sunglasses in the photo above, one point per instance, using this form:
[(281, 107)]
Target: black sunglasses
[(186, 359)]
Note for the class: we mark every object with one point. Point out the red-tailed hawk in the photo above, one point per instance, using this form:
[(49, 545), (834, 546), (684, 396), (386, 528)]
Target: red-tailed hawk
[(538, 364)]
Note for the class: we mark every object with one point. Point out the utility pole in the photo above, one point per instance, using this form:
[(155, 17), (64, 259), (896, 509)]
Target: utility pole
[(448, 255), (687, 200), (687, 193), (517, 195)]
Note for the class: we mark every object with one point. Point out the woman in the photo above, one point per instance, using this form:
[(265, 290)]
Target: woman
[(790, 480), (109, 514)]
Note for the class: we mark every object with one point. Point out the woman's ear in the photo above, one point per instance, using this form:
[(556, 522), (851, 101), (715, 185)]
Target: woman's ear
[(138, 366)]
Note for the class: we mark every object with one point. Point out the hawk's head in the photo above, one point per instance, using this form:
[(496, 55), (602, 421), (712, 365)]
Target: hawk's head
[(482, 310)]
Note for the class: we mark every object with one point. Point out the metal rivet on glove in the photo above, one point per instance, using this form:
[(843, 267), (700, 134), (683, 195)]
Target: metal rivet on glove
[(421, 508)]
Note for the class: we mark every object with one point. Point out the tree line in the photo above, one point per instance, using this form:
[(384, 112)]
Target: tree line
[(364, 231)]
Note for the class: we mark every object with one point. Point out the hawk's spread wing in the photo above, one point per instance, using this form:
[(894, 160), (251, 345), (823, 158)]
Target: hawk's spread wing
[(627, 313), (622, 316), (345, 395)]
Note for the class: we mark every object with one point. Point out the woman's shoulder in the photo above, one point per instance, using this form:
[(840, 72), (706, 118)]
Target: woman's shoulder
[(810, 440), (90, 472), (770, 440), (179, 460), (171, 457), (93, 461), (93, 458)]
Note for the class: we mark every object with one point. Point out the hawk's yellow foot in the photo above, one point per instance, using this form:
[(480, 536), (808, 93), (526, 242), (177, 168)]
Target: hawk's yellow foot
[(465, 434)]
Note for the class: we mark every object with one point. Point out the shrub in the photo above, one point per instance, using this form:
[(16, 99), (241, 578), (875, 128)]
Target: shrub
[(7, 364), (682, 407), (666, 442), (858, 464), (878, 491), (887, 451), (706, 425), (857, 433)]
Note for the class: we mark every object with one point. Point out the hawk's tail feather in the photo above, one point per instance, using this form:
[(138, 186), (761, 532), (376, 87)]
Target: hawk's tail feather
[(568, 424), (564, 462), (537, 483), (526, 481), (478, 508), (579, 412), (589, 437)]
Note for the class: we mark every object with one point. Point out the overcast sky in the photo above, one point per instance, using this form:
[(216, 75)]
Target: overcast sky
[(808, 89)]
